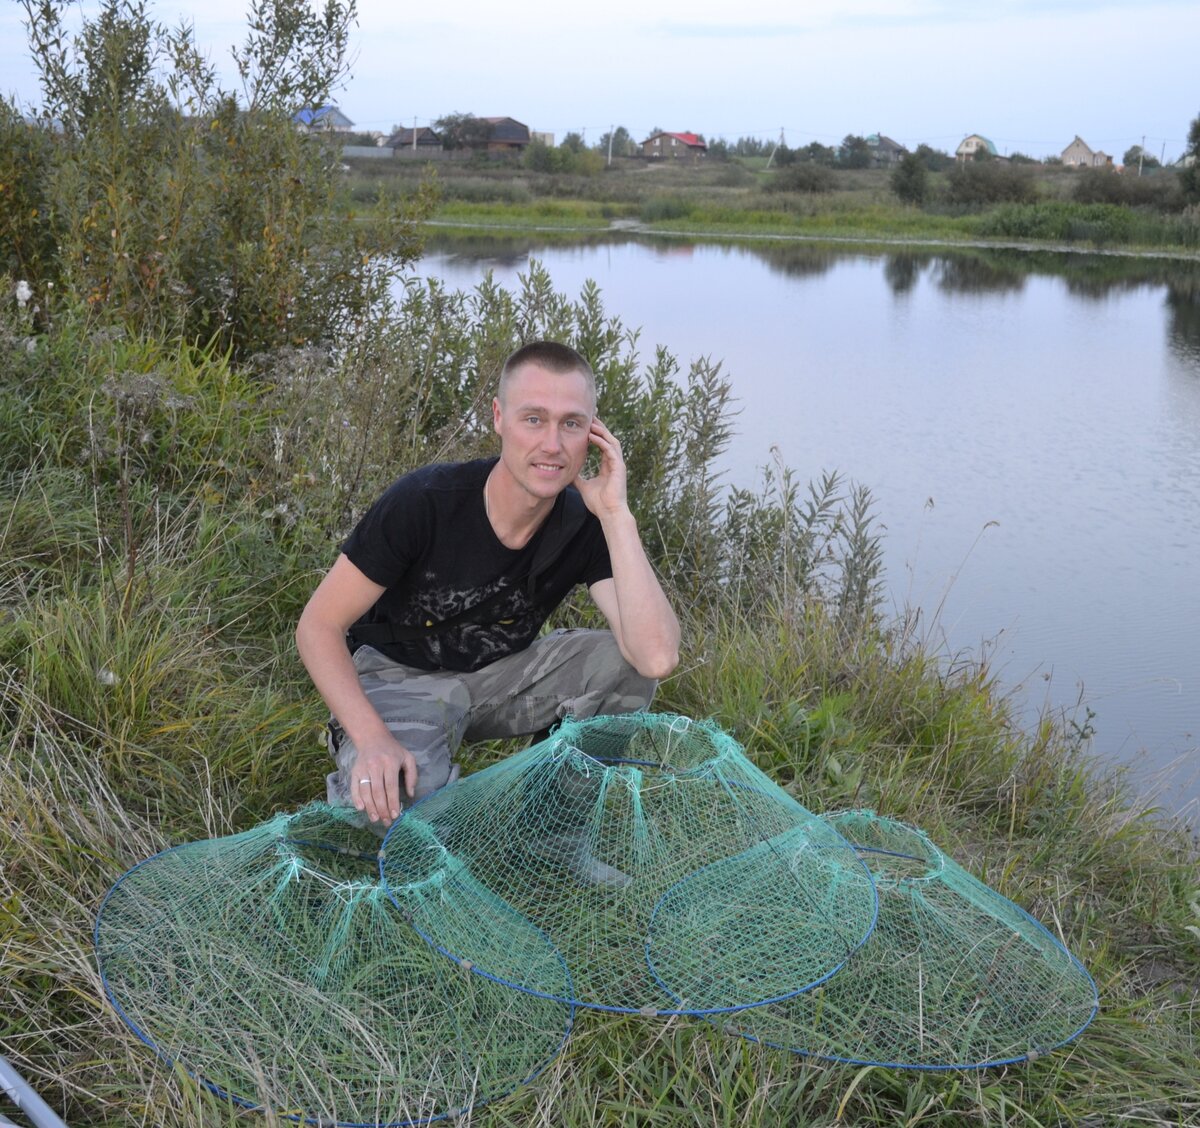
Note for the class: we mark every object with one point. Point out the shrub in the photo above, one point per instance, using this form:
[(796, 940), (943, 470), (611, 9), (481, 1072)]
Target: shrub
[(803, 176), (1060, 221), (660, 208), (910, 180), (175, 207), (26, 236), (991, 182), (1102, 186)]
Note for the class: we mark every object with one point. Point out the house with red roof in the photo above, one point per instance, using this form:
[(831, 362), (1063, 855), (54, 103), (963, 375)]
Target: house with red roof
[(674, 146)]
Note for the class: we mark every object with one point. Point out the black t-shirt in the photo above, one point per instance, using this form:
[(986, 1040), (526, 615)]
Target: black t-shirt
[(428, 540)]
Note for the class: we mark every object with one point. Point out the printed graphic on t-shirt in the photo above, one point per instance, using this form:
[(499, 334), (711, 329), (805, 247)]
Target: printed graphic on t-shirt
[(507, 624)]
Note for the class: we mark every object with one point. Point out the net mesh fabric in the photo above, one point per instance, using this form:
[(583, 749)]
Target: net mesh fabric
[(273, 967), (637, 863), (953, 976), (670, 873)]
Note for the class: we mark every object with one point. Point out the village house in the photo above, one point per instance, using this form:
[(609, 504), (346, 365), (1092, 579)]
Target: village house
[(421, 142), (327, 119), (675, 146), (507, 135), (1079, 154), (969, 146), (884, 151)]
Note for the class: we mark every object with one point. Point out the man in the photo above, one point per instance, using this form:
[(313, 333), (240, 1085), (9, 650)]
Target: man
[(445, 583)]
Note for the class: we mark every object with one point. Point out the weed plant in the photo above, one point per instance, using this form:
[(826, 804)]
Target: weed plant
[(165, 511)]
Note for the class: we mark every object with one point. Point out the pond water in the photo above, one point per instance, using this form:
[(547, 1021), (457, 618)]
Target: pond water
[(1028, 423)]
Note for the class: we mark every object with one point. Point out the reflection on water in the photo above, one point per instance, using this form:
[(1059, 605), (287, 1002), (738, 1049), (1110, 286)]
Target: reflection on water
[(1029, 424), (1183, 302)]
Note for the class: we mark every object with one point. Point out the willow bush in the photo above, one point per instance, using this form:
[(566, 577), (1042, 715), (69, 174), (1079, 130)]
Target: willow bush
[(174, 207)]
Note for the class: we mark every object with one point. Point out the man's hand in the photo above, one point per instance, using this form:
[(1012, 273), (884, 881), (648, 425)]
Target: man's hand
[(606, 492), (383, 773)]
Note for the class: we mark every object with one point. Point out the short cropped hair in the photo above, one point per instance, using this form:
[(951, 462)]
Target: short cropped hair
[(551, 355)]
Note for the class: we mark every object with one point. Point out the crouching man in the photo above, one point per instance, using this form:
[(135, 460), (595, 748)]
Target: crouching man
[(424, 633)]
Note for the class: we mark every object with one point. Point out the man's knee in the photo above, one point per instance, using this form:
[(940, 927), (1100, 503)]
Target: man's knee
[(620, 673), (609, 683)]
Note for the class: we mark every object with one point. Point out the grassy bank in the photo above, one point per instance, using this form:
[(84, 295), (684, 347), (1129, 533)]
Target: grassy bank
[(164, 514), (743, 198)]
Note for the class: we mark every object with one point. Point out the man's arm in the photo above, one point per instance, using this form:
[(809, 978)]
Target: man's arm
[(340, 599), (633, 601)]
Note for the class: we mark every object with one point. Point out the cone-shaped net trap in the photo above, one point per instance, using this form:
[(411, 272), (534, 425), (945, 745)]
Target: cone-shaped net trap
[(274, 968), (672, 875), (953, 976)]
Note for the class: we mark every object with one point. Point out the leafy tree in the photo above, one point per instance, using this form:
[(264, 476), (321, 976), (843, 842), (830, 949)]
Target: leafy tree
[(294, 55), (622, 143), (751, 147), (783, 156), (855, 153), (1021, 158), (463, 131), (819, 154), (935, 160), (573, 143), (540, 157), (910, 179), (1189, 176), (1137, 157), (175, 206)]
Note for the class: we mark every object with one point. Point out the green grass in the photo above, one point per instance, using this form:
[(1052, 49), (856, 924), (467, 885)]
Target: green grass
[(150, 578), (737, 199)]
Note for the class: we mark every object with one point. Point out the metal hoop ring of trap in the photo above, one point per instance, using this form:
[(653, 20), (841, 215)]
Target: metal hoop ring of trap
[(273, 967), (955, 976), (671, 874)]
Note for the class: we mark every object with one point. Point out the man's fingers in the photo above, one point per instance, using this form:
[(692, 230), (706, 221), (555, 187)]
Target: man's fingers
[(390, 800)]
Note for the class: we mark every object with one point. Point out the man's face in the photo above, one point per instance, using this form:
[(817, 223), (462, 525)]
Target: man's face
[(543, 425)]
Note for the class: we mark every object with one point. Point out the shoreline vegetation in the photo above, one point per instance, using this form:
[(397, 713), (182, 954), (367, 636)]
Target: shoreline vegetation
[(1054, 209), (164, 513), (206, 373)]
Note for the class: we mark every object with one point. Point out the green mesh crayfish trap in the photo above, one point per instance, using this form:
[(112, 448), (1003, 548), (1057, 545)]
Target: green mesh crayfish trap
[(671, 874), (273, 967), (636, 863), (954, 976)]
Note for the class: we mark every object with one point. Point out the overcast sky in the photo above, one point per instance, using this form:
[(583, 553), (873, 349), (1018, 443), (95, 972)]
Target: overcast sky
[(1028, 74)]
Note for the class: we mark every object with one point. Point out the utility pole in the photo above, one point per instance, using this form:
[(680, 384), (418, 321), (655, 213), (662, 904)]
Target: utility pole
[(414, 144), (777, 144), (610, 135), (1141, 153)]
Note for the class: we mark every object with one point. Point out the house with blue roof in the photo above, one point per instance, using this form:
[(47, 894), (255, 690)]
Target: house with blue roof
[(327, 119)]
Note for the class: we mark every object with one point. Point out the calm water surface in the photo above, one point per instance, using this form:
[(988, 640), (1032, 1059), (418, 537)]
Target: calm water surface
[(1028, 424)]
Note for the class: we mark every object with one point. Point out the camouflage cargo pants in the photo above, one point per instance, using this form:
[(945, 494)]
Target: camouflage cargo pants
[(578, 673)]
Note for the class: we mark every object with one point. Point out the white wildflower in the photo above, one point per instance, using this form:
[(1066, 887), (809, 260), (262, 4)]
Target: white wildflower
[(24, 293), (105, 676)]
